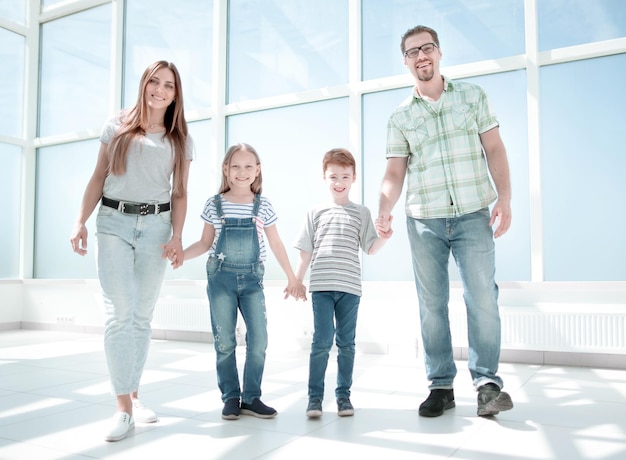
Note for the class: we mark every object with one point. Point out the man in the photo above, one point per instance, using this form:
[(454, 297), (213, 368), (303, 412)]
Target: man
[(446, 141)]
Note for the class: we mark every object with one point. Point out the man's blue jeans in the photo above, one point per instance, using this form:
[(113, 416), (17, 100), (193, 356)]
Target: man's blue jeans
[(470, 239), (330, 307)]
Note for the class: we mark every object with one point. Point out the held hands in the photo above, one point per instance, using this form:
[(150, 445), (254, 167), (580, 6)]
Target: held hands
[(173, 250), (295, 289), (383, 225)]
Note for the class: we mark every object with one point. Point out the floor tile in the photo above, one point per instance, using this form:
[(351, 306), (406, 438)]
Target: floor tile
[(55, 403)]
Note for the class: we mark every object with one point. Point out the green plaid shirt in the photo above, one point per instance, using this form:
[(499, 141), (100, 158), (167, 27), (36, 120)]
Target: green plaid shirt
[(447, 173)]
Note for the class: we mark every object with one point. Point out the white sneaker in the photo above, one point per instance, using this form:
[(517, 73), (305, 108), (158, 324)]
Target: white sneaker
[(143, 414), (121, 425)]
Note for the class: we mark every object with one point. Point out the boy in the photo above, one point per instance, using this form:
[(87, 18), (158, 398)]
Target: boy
[(329, 242)]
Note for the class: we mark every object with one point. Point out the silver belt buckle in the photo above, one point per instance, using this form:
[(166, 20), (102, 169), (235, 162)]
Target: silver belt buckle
[(120, 206), (157, 209)]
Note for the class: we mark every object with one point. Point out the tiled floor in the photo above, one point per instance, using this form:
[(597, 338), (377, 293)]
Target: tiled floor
[(55, 404)]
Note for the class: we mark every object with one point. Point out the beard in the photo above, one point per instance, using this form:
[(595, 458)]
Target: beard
[(425, 76)]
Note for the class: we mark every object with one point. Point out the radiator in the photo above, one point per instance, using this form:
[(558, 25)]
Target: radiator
[(182, 315), (593, 328)]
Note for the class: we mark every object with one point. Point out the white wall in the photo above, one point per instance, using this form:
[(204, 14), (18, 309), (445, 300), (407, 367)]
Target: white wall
[(545, 323)]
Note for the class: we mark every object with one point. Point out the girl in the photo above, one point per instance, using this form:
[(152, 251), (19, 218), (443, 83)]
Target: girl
[(139, 222), (235, 220)]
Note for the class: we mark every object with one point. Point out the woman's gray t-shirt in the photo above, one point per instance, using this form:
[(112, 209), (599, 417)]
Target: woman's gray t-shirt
[(149, 167)]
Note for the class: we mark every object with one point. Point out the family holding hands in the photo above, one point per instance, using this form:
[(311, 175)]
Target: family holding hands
[(443, 140)]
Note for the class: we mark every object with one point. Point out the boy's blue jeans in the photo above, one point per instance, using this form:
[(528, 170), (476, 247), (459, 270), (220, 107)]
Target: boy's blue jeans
[(334, 316), (470, 239)]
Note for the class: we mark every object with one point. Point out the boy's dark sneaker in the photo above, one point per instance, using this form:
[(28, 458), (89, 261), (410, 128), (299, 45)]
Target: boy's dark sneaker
[(491, 400), (231, 409), (257, 409), (314, 409), (344, 407), (437, 402)]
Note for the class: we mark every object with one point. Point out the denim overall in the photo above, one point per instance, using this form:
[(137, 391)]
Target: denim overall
[(235, 283)]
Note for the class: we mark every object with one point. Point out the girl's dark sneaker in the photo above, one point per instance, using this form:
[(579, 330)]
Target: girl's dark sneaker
[(231, 409), (257, 409)]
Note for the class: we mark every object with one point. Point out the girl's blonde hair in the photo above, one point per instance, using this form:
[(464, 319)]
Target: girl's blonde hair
[(256, 186), (137, 116)]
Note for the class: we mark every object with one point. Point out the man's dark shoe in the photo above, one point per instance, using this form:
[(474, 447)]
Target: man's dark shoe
[(257, 409), (231, 409), (491, 400), (437, 402)]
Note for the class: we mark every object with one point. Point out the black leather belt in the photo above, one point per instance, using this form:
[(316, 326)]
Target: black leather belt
[(135, 208)]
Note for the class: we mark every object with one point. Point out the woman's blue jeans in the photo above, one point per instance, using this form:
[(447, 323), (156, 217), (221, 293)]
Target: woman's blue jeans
[(131, 270), (330, 308), (231, 290), (470, 240)]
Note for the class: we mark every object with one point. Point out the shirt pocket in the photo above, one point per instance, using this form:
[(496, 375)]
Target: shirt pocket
[(415, 131), (464, 118)]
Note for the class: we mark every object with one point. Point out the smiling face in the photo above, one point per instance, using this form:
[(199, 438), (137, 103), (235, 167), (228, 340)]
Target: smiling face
[(160, 90), (241, 170), (424, 67), (339, 180)]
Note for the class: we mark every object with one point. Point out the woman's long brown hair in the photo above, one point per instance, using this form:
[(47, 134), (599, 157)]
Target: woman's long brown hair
[(137, 116)]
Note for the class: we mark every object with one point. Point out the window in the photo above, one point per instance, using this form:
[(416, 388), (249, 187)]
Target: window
[(583, 164), (75, 72), (10, 185), (179, 33), (12, 84), (576, 22), (65, 171), (281, 46), (468, 31)]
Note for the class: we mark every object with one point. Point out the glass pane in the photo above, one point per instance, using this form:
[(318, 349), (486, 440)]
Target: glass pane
[(75, 72), (11, 83), (163, 30), (292, 161), (583, 164), (62, 175), (576, 22), (13, 10), (204, 174), (507, 96), (10, 186), (282, 46), (468, 31), (393, 262)]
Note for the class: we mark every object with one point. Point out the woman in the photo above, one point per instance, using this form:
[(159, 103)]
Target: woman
[(141, 180)]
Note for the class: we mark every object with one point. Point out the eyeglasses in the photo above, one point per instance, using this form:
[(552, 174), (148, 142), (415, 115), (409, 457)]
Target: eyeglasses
[(426, 49)]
